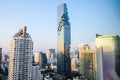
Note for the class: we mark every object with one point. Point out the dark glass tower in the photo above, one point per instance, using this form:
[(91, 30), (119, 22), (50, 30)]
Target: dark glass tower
[(0, 55), (63, 41)]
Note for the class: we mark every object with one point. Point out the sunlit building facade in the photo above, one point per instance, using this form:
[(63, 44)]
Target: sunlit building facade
[(21, 51), (87, 62), (63, 41), (36, 57), (107, 57)]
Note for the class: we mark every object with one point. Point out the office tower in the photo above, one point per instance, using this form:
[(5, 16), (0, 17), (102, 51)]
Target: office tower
[(42, 60), (63, 41), (21, 51), (107, 57), (0, 56), (87, 62)]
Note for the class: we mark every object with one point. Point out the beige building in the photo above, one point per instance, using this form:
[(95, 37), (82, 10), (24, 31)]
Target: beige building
[(21, 51), (36, 57), (87, 62), (73, 65), (107, 57)]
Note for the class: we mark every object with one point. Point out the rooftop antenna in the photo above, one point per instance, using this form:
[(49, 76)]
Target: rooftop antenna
[(24, 31)]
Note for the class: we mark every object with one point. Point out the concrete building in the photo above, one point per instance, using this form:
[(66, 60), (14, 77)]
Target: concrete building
[(63, 41), (51, 58), (40, 59), (36, 57), (87, 62), (74, 64), (50, 55), (21, 51), (36, 72), (107, 57)]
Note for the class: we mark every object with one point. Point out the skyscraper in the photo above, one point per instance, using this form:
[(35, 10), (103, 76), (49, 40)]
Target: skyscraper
[(108, 57), (21, 51), (63, 41)]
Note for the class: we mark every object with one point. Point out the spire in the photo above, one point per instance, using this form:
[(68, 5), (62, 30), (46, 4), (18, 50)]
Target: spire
[(24, 31)]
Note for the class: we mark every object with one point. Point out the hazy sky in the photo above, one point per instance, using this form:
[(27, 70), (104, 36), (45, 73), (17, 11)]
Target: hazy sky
[(87, 17)]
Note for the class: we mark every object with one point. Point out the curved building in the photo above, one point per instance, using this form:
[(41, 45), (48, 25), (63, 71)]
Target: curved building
[(21, 51)]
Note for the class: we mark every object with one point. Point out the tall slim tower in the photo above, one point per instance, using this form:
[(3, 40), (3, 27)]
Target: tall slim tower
[(63, 41), (21, 51)]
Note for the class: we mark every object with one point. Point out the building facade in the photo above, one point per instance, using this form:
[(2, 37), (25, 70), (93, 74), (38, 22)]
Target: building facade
[(21, 51), (36, 57), (42, 60), (107, 57), (36, 72), (87, 62), (50, 55), (63, 41), (0, 56)]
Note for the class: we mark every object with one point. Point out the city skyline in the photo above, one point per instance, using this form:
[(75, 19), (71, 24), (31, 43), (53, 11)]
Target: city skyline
[(87, 18)]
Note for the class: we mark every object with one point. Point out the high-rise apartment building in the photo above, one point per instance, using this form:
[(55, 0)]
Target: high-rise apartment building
[(63, 41), (107, 57), (21, 51), (87, 62)]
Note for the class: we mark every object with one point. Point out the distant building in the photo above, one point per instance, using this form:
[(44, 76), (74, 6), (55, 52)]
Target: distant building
[(75, 66), (108, 57), (36, 57), (87, 62), (0, 56), (21, 50), (50, 55), (6, 57), (42, 60), (36, 72), (63, 41)]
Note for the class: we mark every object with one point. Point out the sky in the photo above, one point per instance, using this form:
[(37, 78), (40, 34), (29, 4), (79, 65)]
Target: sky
[(87, 17)]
